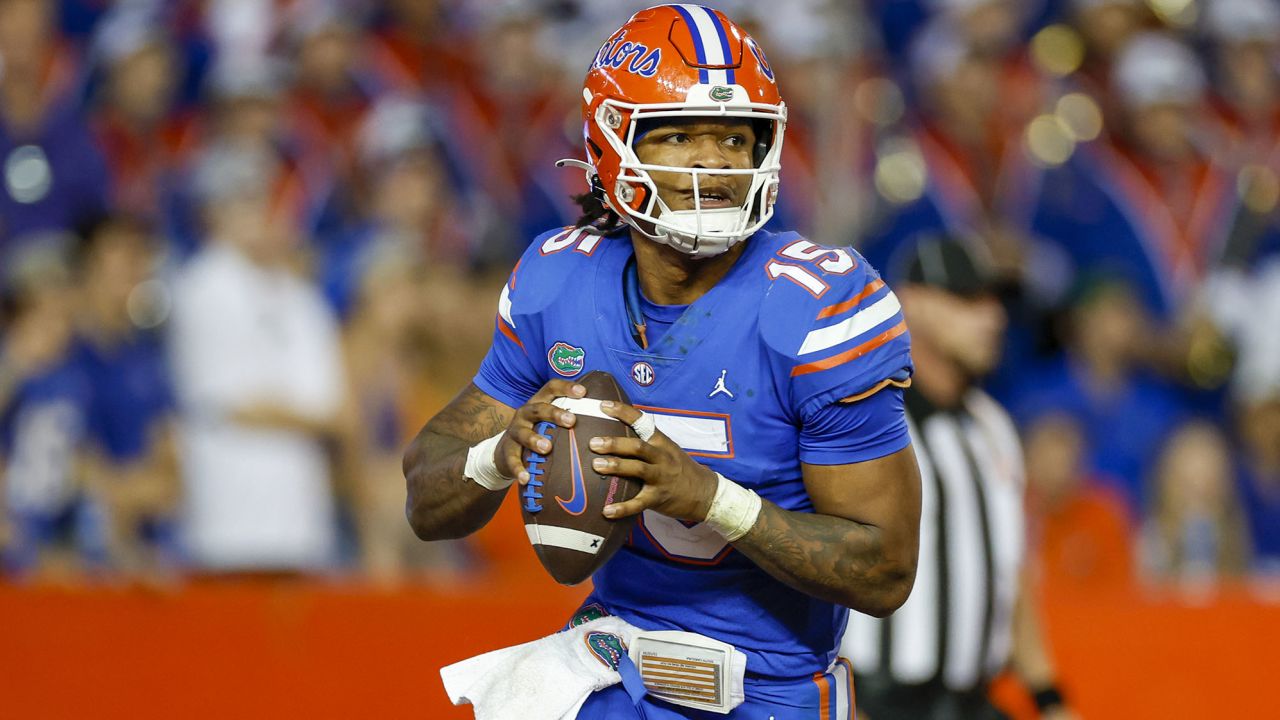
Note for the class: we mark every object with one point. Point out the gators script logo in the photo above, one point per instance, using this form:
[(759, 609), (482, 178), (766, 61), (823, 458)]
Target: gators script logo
[(566, 359), (637, 57)]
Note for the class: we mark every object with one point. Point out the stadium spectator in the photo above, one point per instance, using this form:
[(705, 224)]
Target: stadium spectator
[(405, 195), (415, 49), (44, 401), (136, 122), (1146, 201), (258, 372), (244, 111), (387, 343), (1105, 26), (131, 463), (834, 96), (1125, 411), (1257, 395), (1195, 533), (51, 173), (977, 179), (1246, 38), (1080, 531), (330, 93), (507, 126)]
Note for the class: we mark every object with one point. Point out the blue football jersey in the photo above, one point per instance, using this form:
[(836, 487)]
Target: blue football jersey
[(737, 381)]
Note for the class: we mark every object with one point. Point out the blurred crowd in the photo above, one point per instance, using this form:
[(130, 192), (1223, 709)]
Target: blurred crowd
[(248, 246)]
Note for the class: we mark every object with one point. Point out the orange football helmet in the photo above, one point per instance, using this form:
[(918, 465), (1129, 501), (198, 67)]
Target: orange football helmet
[(680, 61)]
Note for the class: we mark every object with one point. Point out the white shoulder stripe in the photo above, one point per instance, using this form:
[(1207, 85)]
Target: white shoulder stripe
[(851, 327), (504, 305)]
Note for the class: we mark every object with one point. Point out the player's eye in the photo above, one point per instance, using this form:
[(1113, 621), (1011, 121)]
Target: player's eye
[(736, 140), (677, 138)]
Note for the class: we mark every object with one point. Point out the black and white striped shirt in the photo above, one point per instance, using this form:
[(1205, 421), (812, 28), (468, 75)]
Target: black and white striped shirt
[(956, 627)]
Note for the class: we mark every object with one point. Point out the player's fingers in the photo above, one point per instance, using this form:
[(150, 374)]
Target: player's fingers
[(641, 422), (625, 467), (620, 410), (624, 447), (558, 388), (510, 459), (535, 413), (536, 439), (636, 505)]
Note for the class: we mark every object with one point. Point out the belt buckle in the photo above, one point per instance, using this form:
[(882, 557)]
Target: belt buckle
[(689, 669)]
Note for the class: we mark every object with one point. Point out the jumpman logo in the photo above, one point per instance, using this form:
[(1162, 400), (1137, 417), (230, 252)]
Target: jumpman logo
[(720, 386)]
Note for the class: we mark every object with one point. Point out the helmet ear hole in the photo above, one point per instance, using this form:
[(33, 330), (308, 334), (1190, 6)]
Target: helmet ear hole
[(764, 141)]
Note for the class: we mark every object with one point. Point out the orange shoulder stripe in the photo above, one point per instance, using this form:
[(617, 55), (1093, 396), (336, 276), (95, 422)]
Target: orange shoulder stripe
[(511, 334), (853, 353), (852, 302)]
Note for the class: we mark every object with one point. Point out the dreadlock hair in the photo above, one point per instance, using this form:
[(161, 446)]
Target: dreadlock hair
[(595, 212)]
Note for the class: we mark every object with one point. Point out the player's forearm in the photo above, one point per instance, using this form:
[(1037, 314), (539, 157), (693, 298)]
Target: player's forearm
[(831, 558), (442, 503)]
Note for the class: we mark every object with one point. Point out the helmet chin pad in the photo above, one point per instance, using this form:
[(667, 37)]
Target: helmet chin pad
[(700, 233)]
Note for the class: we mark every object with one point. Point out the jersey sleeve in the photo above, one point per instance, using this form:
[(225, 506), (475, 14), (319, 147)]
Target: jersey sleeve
[(848, 341), (842, 433), (510, 372)]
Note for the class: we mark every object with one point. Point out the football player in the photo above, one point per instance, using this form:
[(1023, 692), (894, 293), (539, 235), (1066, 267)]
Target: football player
[(780, 487)]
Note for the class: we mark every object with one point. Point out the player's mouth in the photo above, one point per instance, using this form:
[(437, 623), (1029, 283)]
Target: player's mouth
[(712, 198)]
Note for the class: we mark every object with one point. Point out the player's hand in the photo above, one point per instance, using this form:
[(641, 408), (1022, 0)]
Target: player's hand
[(674, 484), (520, 435)]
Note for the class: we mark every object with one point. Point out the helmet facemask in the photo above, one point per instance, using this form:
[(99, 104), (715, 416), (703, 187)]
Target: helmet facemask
[(699, 232)]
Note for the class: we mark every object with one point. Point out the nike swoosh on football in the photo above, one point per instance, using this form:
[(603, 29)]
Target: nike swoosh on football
[(577, 502)]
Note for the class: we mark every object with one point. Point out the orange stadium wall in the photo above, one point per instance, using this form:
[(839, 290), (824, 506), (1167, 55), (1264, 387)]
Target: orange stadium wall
[(310, 648)]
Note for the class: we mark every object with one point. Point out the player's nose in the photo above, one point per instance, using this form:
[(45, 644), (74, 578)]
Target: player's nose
[(709, 154)]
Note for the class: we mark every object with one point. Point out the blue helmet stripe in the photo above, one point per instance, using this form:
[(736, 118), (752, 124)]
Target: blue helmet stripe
[(724, 43), (697, 42)]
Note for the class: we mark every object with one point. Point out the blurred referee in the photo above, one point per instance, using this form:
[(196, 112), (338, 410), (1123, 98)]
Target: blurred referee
[(968, 616)]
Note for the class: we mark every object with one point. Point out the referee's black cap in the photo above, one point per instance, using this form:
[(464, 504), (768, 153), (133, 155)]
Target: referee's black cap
[(947, 263)]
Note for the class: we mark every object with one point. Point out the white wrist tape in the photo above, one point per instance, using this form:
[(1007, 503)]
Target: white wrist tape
[(734, 510), (481, 468)]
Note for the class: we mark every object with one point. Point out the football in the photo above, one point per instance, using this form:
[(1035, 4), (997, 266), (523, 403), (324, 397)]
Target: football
[(564, 501)]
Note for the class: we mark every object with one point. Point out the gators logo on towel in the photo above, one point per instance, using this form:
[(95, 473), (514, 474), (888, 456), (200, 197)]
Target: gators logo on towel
[(607, 648)]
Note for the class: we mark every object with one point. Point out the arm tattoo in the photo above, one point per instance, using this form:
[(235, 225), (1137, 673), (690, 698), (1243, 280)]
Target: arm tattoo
[(831, 558), (470, 417), (441, 502)]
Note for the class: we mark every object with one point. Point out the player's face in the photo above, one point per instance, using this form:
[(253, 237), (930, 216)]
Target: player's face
[(708, 144)]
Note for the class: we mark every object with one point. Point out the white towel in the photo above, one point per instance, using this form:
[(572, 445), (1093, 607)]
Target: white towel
[(547, 679)]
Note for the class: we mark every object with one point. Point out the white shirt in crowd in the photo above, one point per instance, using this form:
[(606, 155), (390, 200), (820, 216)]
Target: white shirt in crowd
[(257, 497)]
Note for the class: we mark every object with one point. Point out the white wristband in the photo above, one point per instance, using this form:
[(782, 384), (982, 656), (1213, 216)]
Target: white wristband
[(481, 468), (734, 510)]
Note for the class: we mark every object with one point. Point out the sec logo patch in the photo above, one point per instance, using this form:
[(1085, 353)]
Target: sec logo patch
[(642, 373)]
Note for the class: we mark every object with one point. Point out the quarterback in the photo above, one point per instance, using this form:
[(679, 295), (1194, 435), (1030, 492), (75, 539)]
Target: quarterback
[(780, 486)]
